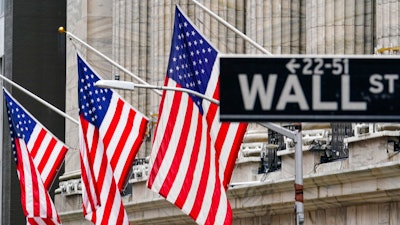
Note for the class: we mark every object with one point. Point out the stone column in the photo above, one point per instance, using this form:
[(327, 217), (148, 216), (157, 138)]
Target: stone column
[(338, 27), (387, 24)]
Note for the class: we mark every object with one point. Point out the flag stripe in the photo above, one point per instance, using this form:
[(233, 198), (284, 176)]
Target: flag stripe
[(212, 177), (121, 215), (185, 165), (228, 218), (214, 204), (25, 183), (34, 186), (224, 213), (40, 221), (48, 206), (174, 134), (123, 138), (188, 181), (197, 171), (211, 174), (100, 161), (35, 197), (176, 161), (203, 182), (46, 154), (110, 128), (104, 182), (240, 131), (157, 142), (162, 126), (129, 128), (136, 137), (41, 153), (51, 169), (114, 131), (36, 144), (110, 201), (87, 188), (89, 178)]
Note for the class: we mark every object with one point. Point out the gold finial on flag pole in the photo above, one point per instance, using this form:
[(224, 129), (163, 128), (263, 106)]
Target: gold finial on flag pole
[(61, 30)]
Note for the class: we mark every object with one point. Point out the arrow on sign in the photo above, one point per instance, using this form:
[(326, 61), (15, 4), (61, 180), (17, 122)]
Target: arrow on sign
[(292, 66)]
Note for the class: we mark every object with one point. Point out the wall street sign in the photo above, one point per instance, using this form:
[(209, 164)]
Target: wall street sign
[(309, 88)]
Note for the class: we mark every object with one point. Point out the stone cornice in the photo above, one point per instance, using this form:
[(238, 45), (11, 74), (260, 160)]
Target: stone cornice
[(321, 190)]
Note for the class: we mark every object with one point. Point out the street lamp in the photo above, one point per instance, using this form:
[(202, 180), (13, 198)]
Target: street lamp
[(117, 84), (126, 85)]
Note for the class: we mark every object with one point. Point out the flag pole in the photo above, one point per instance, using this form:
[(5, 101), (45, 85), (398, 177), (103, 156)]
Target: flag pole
[(299, 205), (37, 98), (143, 84), (69, 34), (1, 155), (234, 29)]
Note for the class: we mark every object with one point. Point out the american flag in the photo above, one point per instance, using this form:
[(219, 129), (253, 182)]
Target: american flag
[(111, 132), (193, 153), (38, 156)]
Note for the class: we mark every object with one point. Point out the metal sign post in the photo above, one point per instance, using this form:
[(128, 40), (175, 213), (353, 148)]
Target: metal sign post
[(298, 177)]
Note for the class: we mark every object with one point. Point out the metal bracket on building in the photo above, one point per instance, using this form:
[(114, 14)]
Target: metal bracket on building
[(140, 171), (71, 187)]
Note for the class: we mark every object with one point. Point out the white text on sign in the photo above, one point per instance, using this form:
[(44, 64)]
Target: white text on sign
[(293, 91)]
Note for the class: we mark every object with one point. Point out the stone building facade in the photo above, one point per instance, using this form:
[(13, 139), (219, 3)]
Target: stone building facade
[(359, 184)]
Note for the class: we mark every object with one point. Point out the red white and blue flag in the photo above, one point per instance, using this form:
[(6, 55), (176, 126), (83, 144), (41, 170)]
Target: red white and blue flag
[(193, 154), (111, 132), (38, 156)]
